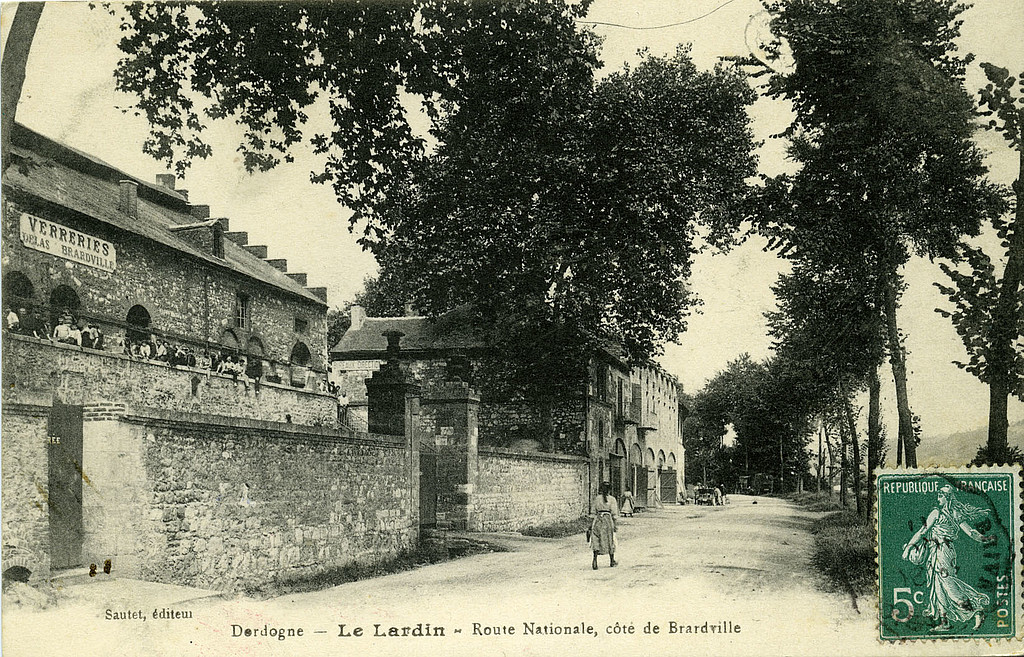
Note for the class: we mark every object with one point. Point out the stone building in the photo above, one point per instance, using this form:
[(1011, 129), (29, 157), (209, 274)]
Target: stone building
[(134, 448), (624, 424)]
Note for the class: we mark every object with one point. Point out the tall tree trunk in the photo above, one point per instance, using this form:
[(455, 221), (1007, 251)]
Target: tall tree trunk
[(874, 432), (851, 426), (830, 448), (1005, 323), (12, 69), (821, 463), (897, 358), (843, 466)]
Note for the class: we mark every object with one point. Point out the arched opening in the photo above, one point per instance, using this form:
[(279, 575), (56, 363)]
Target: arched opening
[(616, 469), (17, 288), (63, 301), (300, 355), (138, 320), (16, 574), (638, 475), (254, 359), (300, 364), (229, 340)]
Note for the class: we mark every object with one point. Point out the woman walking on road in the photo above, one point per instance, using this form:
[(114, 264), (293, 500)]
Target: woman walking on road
[(602, 527)]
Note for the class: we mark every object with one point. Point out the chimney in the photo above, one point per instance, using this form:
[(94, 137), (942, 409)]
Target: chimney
[(358, 315), (241, 238), (260, 251), (409, 310), (128, 202), (165, 180)]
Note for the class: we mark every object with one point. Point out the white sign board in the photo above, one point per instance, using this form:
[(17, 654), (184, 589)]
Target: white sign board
[(63, 242)]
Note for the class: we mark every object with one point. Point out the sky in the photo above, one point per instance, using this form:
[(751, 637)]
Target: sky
[(69, 95)]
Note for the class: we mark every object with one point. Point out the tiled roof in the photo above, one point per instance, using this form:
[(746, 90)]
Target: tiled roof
[(452, 330), (75, 180)]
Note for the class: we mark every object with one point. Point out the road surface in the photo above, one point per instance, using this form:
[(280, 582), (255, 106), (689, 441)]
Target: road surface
[(730, 580)]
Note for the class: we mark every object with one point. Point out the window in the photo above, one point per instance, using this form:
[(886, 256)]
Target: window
[(621, 405), (138, 323), (242, 311), (301, 324), (300, 355)]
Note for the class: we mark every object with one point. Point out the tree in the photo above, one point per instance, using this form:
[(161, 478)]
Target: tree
[(767, 406), (15, 59), (265, 65), (883, 131), (576, 229), (989, 310)]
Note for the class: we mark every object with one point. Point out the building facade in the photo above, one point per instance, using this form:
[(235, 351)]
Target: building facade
[(625, 421), (164, 393)]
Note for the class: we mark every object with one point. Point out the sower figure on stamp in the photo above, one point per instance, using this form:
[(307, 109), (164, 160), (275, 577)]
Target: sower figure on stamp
[(950, 598), (603, 525)]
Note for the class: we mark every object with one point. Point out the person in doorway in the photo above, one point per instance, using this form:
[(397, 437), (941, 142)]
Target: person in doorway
[(603, 525), (627, 503), (13, 321), (342, 408)]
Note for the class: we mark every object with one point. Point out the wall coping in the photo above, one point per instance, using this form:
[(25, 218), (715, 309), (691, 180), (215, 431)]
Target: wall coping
[(210, 422), (180, 368), (532, 456), (25, 409)]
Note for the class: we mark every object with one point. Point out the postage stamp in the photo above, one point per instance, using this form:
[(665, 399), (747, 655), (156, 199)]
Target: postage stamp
[(949, 544)]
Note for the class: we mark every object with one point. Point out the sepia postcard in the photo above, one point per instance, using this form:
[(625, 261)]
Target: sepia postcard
[(512, 327)]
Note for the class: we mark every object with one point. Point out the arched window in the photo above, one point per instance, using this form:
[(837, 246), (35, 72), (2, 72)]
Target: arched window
[(300, 355), (254, 366), (255, 347), (138, 320), (64, 298), (17, 288), (229, 339)]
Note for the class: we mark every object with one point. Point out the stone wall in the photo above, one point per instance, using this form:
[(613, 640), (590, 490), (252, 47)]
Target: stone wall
[(26, 533), (203, 502), (518, 490), (80, 376)]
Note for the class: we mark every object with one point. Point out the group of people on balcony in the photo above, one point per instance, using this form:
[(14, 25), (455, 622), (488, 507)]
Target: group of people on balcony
[(67, 330), (137, 344)]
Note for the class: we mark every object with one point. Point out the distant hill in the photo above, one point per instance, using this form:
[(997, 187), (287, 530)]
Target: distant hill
[(957, 448)]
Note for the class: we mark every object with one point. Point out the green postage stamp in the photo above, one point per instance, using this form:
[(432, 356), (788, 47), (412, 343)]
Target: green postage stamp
[(949, 553)]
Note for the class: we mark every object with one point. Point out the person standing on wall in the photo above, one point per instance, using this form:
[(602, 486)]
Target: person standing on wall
[(604, 524)]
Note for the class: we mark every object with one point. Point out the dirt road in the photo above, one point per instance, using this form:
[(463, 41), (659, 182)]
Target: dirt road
[(730, 580)]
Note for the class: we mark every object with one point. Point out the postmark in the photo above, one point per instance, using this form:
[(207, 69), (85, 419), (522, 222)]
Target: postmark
[(949, 553)]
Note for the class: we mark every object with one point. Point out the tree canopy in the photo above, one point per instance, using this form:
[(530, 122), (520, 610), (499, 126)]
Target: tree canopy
[(882, 131)]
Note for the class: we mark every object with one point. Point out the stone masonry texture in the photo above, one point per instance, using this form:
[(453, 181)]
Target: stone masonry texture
[(229, 507), (78, 376), (517, 490)]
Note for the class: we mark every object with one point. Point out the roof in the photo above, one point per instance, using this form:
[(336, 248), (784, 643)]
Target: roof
[(450, 331), (82, 183)]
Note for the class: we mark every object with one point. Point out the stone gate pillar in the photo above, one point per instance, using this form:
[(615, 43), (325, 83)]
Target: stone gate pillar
[(393, 409), (454, 410)]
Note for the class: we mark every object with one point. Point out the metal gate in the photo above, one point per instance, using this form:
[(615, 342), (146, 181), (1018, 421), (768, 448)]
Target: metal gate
[(64, 479), (640, 478), (428, 489), (668, 486)]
